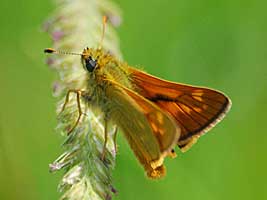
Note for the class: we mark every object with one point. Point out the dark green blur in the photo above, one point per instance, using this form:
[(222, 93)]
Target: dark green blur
[(218, 44)]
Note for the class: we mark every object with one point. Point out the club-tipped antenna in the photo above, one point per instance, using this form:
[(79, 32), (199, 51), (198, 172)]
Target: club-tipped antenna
[(104, 23), (53, 51)]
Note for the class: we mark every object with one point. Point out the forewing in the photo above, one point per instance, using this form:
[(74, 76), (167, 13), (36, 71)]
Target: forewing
[(151, 132), (195, 109)]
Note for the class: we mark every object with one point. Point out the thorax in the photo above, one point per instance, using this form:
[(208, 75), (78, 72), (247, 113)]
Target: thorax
[(108, 71)]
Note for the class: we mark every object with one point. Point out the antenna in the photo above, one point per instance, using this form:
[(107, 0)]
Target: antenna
[(104, 23), (53, 51)]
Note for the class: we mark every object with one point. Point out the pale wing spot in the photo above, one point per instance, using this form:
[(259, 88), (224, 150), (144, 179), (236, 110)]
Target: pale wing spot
[(156, 128), (197, 109), (153, 126), (186, 109), (160, 117), (198, 93), (161, 131), (198, 98), (155, 122)]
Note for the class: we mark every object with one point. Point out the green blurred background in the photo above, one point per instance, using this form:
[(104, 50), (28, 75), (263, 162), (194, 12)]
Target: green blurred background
[(219, 44)]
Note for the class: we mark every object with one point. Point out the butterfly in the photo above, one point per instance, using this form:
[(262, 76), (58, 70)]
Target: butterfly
[(154, 115)]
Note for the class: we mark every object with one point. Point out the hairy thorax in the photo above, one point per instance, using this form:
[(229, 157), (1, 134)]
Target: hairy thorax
[(107, 70)]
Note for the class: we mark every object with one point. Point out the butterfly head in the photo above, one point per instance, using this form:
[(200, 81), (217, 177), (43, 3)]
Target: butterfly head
[(89, 59), (93, 58)]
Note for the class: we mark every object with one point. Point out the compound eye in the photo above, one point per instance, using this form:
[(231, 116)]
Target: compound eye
[(90, 64)]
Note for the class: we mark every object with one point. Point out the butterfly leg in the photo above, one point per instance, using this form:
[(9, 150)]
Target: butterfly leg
[(115, 139), (105, 139), (66, 101), (78, 97)]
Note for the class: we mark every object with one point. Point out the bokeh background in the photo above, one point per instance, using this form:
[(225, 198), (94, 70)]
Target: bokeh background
[(219, 44)]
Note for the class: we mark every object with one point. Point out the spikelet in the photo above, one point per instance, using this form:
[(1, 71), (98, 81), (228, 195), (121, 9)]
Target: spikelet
[(73, 26)]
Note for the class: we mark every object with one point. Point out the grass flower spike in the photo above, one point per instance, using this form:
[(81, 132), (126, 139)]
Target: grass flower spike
[(73, 26)]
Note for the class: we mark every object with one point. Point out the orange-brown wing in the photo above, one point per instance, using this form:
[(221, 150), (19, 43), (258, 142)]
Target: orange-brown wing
[(151, 132), (195, 109)]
